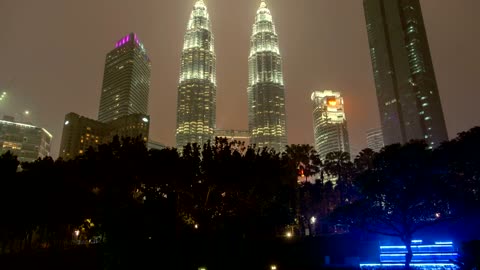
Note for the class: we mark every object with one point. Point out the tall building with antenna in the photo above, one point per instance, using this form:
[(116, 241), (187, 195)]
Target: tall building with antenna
[(266, 90), (197, 88)]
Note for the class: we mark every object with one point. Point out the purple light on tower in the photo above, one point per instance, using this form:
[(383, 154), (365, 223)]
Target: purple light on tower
[(126, 39)]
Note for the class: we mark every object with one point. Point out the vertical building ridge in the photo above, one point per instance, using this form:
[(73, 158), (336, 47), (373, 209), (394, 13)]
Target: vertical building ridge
[(196, 101), (266, 90)]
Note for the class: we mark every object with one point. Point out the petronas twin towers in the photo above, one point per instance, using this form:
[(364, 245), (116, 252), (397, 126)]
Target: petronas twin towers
[(196, 104)]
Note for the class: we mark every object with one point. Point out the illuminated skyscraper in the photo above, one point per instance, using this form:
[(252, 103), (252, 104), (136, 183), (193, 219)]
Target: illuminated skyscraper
[(266, 91), (126, 80), (329, 123), (407, 93), (196, 101)]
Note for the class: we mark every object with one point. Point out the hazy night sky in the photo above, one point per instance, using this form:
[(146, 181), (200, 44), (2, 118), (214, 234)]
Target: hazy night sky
[(52, 55)]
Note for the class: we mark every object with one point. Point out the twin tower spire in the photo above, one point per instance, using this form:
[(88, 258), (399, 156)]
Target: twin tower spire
[(196, 103)]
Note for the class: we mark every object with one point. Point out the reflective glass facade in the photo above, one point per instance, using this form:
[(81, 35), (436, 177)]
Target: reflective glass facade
[(196, 100), (266, 91), (329, 123), (126, 80), (407, 92)]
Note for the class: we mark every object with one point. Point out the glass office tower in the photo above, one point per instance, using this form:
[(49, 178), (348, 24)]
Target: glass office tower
[(407, 92), (126, 80)]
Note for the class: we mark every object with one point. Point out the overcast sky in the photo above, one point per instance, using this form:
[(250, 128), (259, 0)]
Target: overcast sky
[(52, 55)]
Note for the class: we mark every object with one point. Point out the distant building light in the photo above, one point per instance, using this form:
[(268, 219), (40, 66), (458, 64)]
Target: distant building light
[(145, 119), (67, 122)]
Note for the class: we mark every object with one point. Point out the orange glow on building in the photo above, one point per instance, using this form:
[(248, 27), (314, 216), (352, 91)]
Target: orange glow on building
[(332, 102)]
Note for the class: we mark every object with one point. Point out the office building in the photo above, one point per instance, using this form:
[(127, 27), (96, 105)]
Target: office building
[(80, 133), (26, 141), (329, 123), (407, 92), (126, 80), (375, 139), (196, 100), (266, 90)]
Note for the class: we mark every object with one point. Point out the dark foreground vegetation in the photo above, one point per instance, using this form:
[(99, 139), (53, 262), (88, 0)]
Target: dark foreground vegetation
[(225, 205)]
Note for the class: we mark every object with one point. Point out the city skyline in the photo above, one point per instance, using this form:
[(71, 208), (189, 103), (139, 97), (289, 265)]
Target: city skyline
[(316, 57)]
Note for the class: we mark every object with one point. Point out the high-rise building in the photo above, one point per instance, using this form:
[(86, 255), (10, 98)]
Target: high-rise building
[(26, 141), (407, 92), (196, 101), (329, 123), (80, 133), (123, 102), (126, 80), (375, 139), (266, 91)]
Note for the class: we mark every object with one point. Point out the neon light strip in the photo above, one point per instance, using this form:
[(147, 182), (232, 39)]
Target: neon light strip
[(417, 246), (417, 241), (402, 264), (444, 243), (421, 254)]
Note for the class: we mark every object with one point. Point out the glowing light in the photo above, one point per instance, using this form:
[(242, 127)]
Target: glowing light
[(273, 267), (77, 232), (332, 102), (433, 265), (313, 220), (444, 243), (27, 112), (417, 241), (145, 119), (67, 122), (196, 226), (437, 215), (289, 235)]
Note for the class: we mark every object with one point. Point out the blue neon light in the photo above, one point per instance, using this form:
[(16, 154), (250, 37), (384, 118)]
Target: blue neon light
[(413, 264), (444, 243), (417, 241)]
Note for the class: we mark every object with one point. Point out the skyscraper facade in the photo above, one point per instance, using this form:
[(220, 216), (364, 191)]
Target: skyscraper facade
[(26, 141), (196, 100), (329, 123), (126, 80), (407, 93), (375, 139), (266, 91)]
